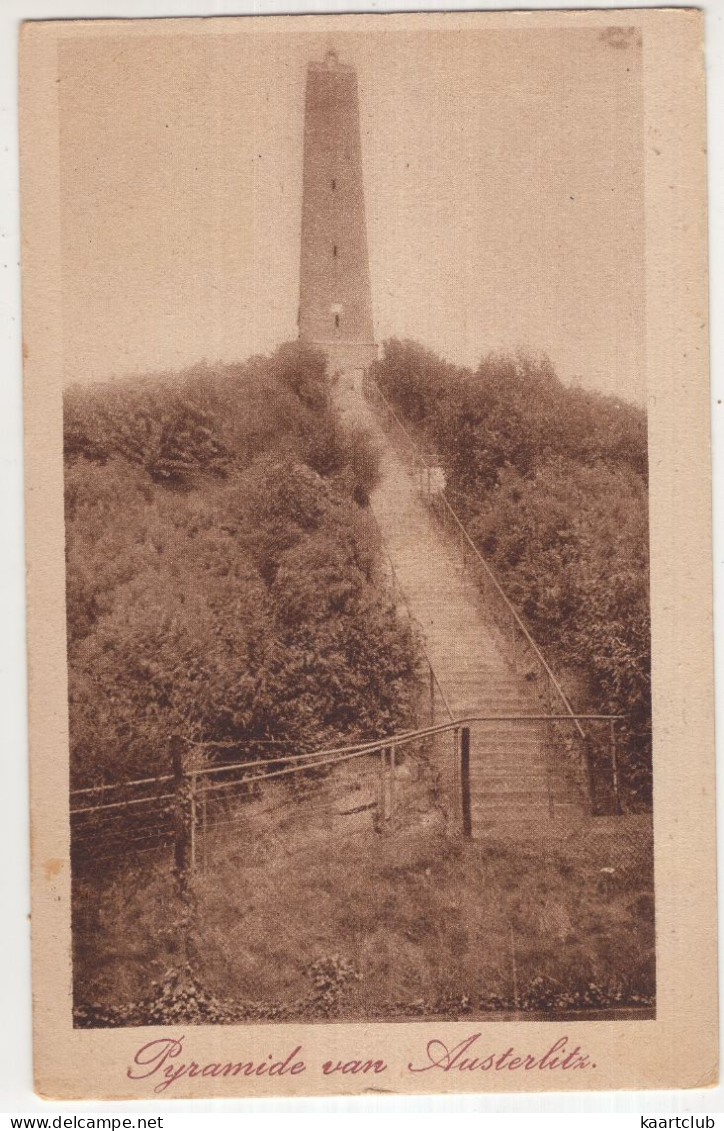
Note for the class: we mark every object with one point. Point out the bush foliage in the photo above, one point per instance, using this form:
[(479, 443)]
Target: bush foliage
[(222, 574), (552, 484)]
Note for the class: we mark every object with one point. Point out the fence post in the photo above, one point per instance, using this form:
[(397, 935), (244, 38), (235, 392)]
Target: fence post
[(614, 769), (456, 804), (181, 838), (514, 641), (381, 793), (392, 785), (549, 739), (465, 782), (192, 821), (590, 775)]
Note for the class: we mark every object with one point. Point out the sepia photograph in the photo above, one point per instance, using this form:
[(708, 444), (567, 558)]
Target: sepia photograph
[(356, 527), (356, 639)]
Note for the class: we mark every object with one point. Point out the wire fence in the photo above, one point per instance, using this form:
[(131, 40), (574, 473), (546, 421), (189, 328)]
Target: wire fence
[(383, 785)]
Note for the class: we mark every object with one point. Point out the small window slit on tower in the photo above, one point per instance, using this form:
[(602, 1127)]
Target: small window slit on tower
[(336, 321), (334, 184), (334, 250)]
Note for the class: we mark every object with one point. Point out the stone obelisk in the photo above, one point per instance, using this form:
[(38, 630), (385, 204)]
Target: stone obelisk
[(335, 302)]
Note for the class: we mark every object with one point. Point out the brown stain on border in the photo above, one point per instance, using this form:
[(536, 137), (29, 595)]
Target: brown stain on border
[(52, 867)]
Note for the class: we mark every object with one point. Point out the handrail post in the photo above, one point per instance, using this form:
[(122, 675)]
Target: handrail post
[(465, 782)]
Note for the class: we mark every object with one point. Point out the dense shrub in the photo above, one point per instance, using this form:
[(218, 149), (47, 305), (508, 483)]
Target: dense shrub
[(222, 569), (552, 483)]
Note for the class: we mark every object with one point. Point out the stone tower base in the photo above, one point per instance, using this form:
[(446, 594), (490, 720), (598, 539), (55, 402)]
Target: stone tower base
[(348, 357)]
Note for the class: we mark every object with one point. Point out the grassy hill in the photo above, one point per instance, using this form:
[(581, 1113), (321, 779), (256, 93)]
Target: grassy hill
[(305, 913), (225, 583)]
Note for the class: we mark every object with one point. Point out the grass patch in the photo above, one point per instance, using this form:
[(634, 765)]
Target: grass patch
[(314, 915)]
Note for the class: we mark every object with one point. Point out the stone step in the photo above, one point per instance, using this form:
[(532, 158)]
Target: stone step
[(522, 803), (498, 687), (501, 682), (484, 737), (468, 679), (524, 779), (495, 722), (490, 708), (492, 719), (486, 778), (486, 747), (507, 745), (512, 760), (518, 770), (511, 774), (525, 823), (487, 754), (498, 702), (477, 721), (518, 775), (515, 792), (518, 779)]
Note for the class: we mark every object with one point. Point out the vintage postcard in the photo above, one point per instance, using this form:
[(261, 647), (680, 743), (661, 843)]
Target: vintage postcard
[(369, 563)]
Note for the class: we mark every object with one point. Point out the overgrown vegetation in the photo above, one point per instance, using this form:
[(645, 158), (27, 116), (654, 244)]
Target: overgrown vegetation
[(551, 482), (222, 570), (224, 584)]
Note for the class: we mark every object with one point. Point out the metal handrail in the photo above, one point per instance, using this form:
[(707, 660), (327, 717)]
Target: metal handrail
[(123, 804), (358, 750), (119, 785), (346, 754), (371, 384), (409, 736)]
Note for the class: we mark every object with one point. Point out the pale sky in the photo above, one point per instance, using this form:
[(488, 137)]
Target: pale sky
[(504, 186)]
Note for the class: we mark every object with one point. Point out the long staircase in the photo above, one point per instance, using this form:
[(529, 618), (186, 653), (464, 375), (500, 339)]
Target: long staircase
[(515, 773)]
